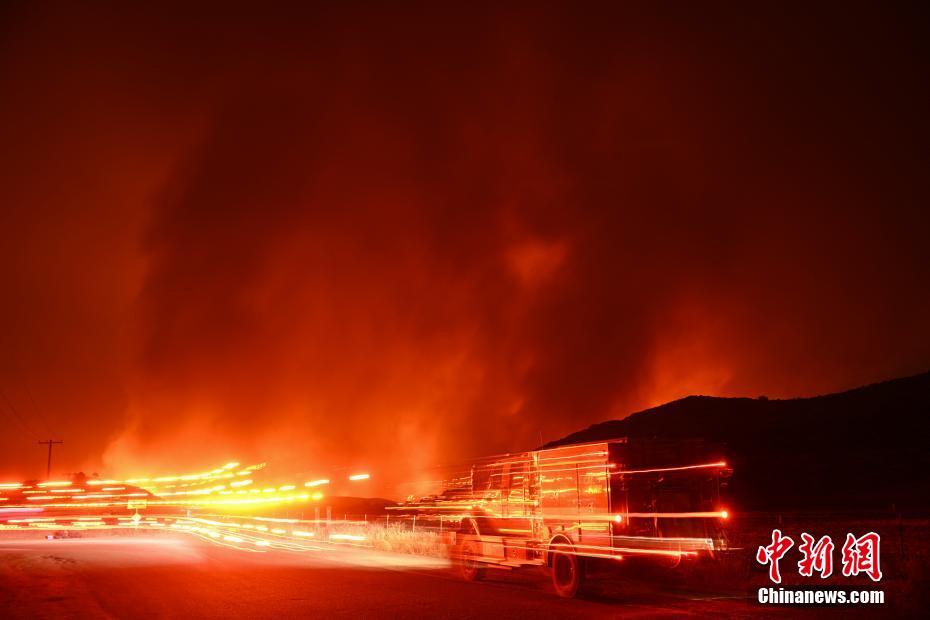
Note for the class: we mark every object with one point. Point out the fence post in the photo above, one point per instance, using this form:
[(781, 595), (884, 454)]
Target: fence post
[(440, 525), (414, 523)]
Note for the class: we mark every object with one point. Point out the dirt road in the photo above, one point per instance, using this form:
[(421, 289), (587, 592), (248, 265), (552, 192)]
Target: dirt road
[(182, 577)]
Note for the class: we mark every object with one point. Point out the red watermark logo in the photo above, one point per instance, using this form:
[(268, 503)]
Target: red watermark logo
[(859, 555)]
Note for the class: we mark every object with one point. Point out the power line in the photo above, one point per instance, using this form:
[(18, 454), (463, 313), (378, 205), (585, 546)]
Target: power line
[(17, 425), (42, 419), (17, 416)]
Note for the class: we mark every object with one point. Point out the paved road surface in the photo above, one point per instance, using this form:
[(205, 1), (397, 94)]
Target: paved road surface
[(167, 577)]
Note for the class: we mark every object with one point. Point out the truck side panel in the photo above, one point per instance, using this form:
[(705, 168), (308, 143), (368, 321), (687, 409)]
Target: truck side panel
[(575, 493)]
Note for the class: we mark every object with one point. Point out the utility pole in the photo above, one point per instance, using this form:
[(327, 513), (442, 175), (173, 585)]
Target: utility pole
[(49, 443)]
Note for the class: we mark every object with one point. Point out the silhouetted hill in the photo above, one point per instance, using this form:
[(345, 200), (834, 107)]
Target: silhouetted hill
[(865, 449)]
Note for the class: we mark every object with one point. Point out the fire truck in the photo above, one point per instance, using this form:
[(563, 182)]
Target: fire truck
[(570, 507)]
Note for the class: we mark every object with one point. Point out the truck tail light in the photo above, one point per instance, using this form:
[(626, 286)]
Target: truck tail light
[(617, 525)]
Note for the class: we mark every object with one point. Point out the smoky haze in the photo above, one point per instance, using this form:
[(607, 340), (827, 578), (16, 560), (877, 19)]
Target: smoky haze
[(351, 239)]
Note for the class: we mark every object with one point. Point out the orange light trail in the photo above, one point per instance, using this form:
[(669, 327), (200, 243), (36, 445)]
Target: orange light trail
[(667, 469), (679, 515), (220, 487)]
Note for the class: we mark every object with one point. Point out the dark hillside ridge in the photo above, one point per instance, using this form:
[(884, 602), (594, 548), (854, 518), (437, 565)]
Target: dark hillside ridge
[(867, 449)]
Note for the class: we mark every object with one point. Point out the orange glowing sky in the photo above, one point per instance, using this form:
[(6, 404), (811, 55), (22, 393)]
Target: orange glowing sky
[(381, 239)]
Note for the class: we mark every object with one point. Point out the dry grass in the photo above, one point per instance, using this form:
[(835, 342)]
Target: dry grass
[(401, 540), (395, 537)]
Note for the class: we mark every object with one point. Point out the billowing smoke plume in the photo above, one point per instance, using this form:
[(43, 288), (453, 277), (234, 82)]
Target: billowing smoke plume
[(387, 241)]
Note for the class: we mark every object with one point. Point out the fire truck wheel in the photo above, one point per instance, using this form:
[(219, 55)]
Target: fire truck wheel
[(567, 572), (472, 570)]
